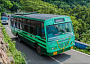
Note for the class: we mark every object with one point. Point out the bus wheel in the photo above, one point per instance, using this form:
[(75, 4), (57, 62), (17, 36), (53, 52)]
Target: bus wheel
[(39, 50), (19, 39)]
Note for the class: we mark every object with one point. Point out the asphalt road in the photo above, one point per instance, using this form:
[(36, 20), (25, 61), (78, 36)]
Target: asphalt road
[(31, 56)]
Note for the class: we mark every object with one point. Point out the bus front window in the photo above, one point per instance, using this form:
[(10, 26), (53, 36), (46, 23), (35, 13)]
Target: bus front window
[(59, 29)]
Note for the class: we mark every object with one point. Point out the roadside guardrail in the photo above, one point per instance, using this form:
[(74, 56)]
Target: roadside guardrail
[(81, 45)]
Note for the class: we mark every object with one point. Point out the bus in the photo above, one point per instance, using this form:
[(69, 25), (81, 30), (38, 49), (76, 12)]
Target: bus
[(50, 34), (4, 18)]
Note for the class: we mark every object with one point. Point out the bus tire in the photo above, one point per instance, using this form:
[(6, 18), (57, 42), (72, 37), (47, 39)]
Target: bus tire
[(38, 50), (19, 39)]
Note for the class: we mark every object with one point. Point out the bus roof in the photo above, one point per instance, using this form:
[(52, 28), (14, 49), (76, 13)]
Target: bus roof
[(25, 13), (37, 16)]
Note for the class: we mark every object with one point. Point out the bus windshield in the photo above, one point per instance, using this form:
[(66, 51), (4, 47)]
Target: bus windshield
[(59, 29)]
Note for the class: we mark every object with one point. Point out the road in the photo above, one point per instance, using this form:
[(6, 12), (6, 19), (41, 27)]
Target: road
[(31, 56)]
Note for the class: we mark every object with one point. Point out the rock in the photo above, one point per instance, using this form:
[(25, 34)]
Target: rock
[(11, 60), (0, 53), (2, 41), (4, 55), (8, 62), (4, 60), (1, 61), (3, 47)]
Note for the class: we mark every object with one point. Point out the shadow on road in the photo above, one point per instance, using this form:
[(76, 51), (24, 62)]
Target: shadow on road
[(32, 57)]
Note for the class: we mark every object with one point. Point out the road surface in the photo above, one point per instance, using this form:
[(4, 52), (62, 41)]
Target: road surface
[(31, 56)]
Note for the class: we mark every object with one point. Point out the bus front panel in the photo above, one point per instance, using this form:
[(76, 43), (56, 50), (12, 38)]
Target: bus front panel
[(59, 35)]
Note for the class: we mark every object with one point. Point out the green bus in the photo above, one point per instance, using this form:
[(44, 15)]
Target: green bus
[(50, 34)]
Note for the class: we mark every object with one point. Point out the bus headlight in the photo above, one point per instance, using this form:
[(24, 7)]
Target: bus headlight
[(52, 48), (71, 42)]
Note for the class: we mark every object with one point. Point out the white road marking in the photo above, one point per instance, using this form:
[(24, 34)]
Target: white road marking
[(56, 60), (81, 52), (8, 28)]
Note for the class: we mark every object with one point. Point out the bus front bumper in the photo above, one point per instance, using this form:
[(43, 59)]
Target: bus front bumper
[(59, 51)]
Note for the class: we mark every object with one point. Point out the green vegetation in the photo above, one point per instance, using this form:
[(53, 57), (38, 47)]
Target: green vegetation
[(0, 15), (12, 49), (87, 51), (65, 4)]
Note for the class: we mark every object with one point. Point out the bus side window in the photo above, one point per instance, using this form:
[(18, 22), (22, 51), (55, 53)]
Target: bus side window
[(18, 23), (28, 23), (34, 28), (15, 24), (38, 31), (43, 32), (28, 29), (20, 20), (31, 29), (25, 26)]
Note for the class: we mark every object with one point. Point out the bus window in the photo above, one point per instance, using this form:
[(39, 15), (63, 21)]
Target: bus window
[(15, 24), (31, 30), (20, 26), (38, 31), (32, 27), (24, 21), (20, 20), (38, 28), (43, 33), (25, 27)]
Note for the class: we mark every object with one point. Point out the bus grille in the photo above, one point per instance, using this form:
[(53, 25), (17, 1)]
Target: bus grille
[(66, 43), (61, 45)]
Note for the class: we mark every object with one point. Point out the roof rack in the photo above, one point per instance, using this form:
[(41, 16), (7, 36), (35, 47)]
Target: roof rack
[(25, 13)]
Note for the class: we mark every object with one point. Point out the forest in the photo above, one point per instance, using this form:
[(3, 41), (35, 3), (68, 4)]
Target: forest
[(78, 10)]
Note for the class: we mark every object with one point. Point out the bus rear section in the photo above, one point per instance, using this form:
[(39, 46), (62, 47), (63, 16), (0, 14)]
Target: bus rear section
[(59, 35), (4, 18)]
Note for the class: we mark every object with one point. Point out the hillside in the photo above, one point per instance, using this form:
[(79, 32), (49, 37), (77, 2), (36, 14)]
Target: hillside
[(69, 3), (78, 10)]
